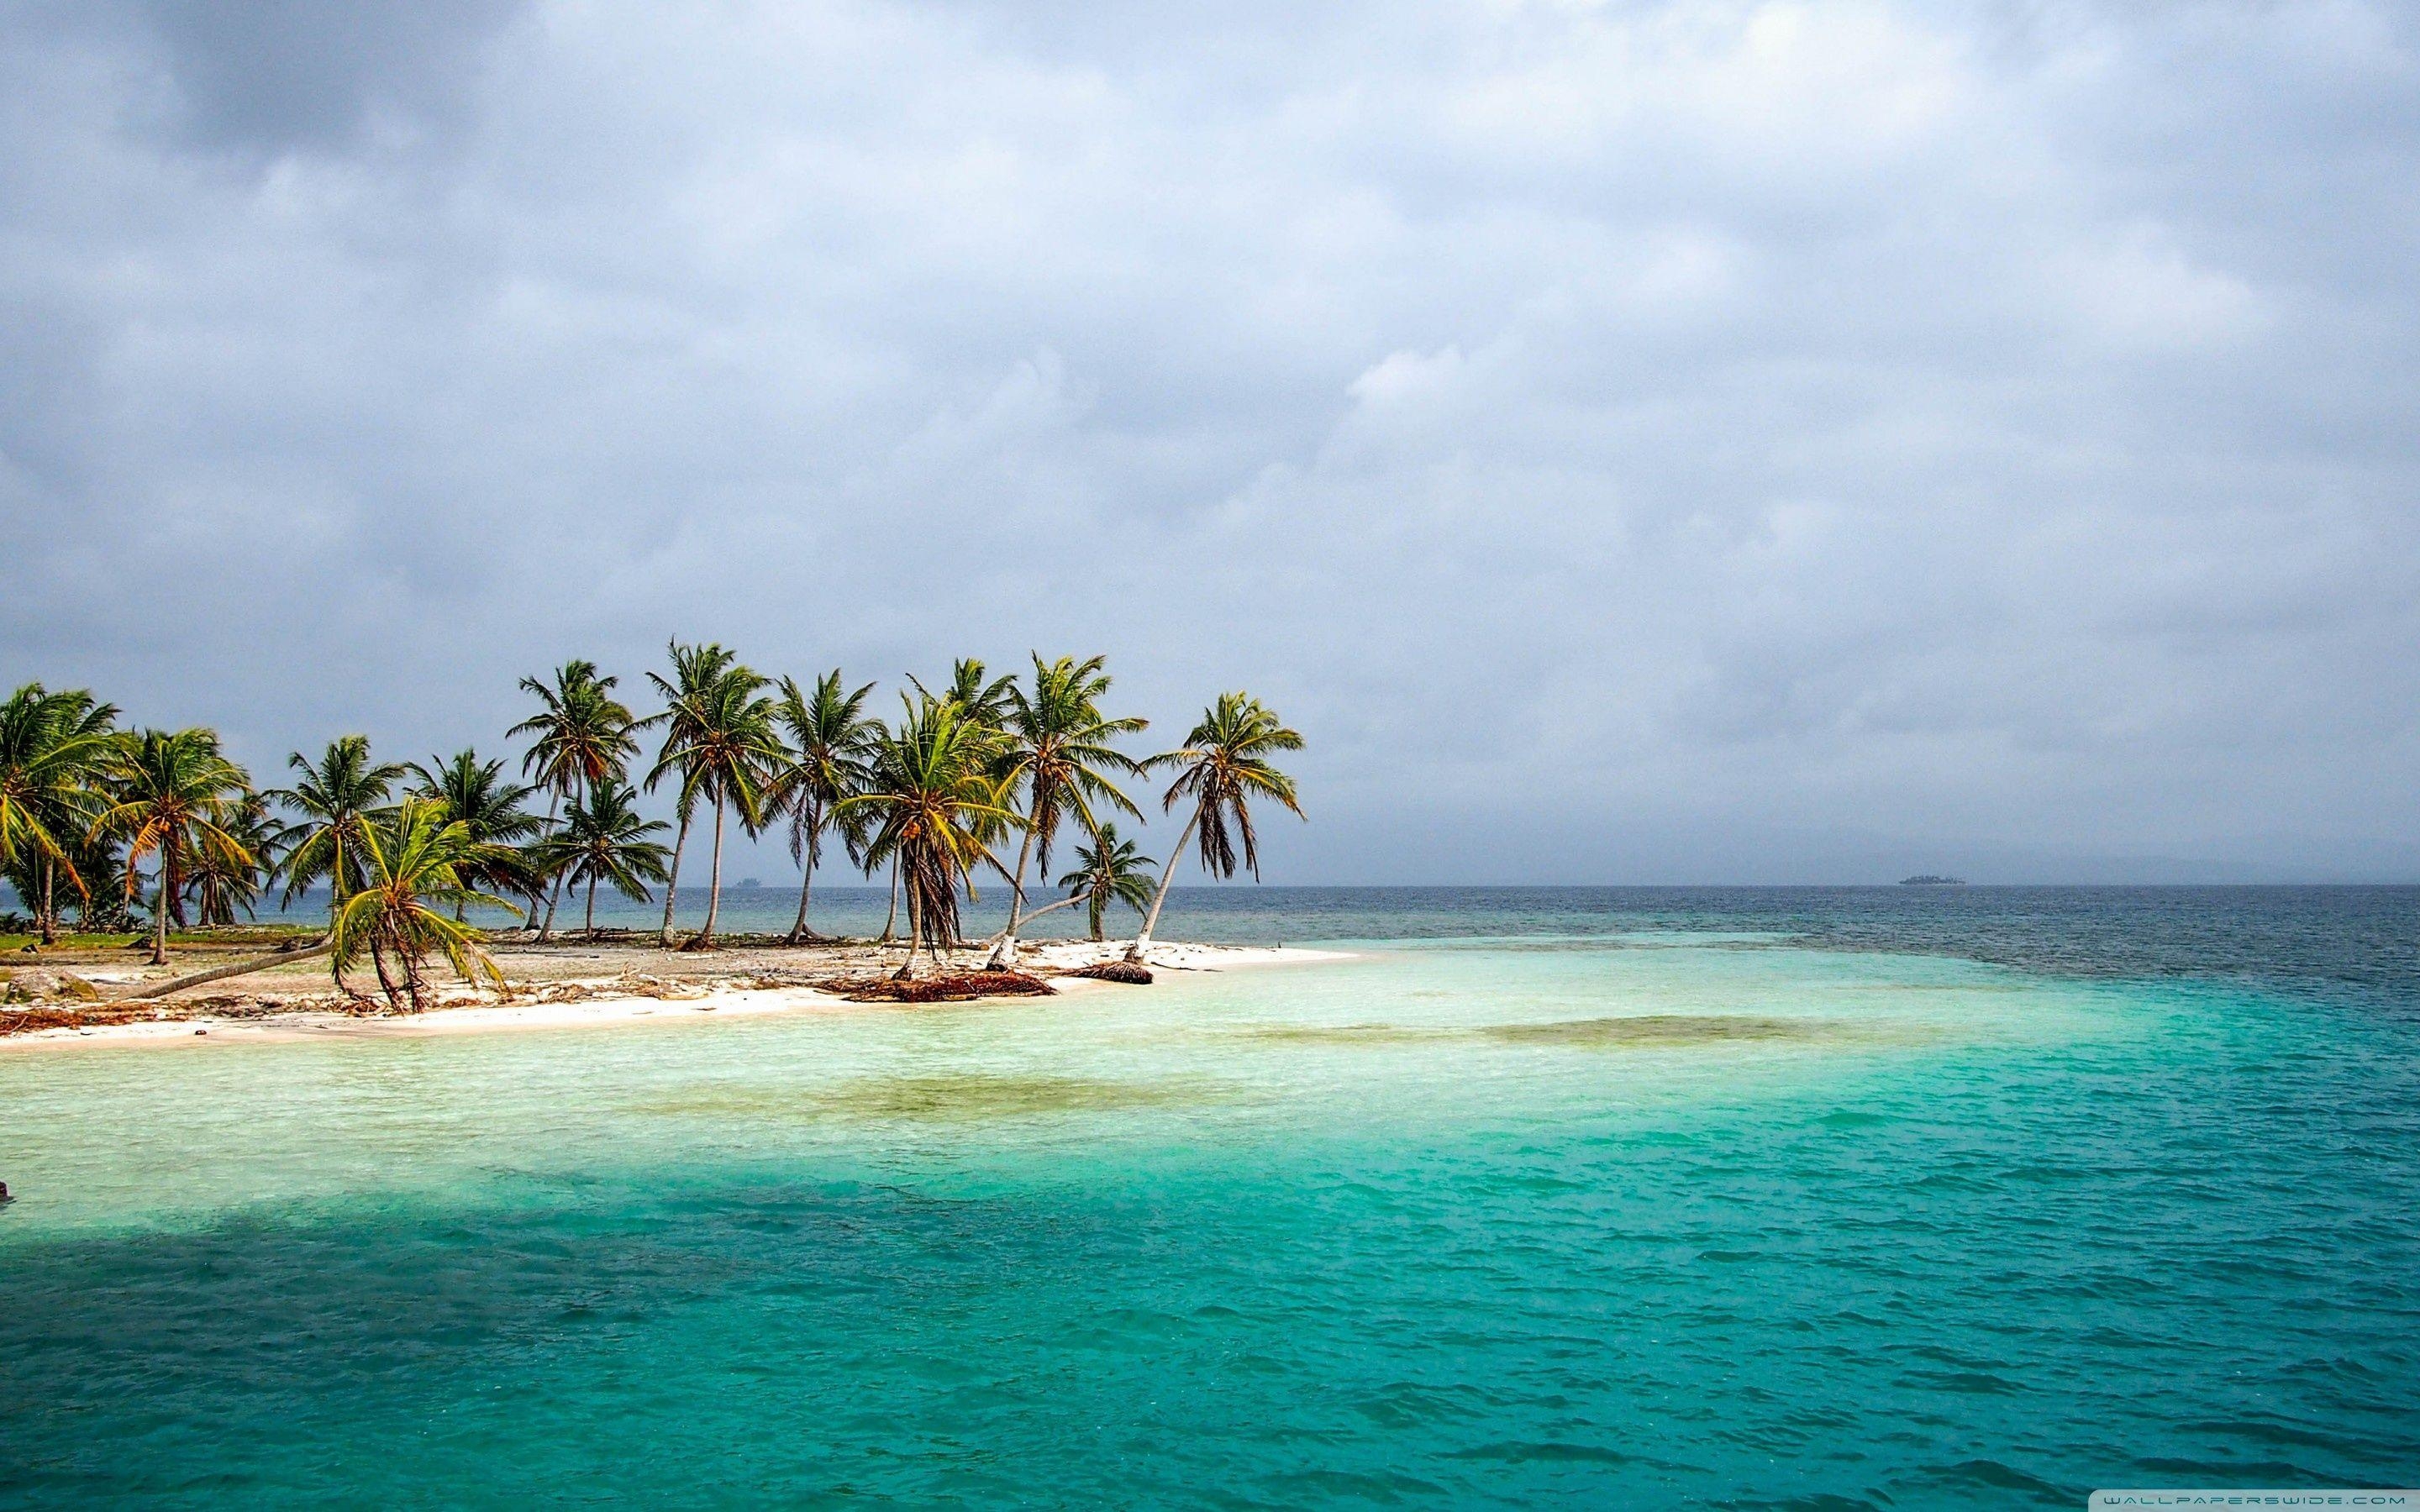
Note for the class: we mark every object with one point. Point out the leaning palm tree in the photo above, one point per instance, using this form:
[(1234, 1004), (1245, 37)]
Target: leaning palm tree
[(172, 796), (1057, 748), (338, 797), (731, 758), (828, 736), (931, 796), (413, 862), (480, 796), (582, 739), (1222, 765), (695, 668), (1108, 872), (604, 839), (53, 748)]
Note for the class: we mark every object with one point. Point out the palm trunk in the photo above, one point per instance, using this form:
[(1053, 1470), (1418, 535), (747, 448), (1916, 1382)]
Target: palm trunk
[(672, 881), (386, 983), (806, 886), (915, 932), (714, 882), (1003, 956), (891, 920), (240, 968), (547, 929), (1151, 920), (160, 916), (589, 926), (50, 909)]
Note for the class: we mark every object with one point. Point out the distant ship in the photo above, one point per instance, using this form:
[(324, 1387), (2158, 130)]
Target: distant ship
[(1931, 879)]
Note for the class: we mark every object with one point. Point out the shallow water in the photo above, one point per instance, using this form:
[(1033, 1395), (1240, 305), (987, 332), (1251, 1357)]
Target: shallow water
[(1759, 1217)]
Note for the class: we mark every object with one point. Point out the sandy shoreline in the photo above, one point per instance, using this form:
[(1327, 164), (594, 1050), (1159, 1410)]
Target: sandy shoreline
[(601, 1005)]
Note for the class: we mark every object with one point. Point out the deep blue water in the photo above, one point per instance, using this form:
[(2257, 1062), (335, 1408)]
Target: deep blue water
[(1758, 1197)]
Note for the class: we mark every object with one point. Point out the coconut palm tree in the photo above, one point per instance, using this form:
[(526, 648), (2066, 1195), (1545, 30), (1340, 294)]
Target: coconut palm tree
[(220, 881), (478, 794), (604, 839), (1222, 765), (413, 862), (583, 737), (1109, 870), (338, 797), (985, 702), (172, 796), (731, 757), (695, 668), (828, 736), (1057, 748), (932, 794), (53, 747)]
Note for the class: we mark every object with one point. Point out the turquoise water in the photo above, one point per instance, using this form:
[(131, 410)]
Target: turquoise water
[(1685, 1201)]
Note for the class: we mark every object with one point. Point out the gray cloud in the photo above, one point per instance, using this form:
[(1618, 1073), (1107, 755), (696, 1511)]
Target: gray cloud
[(1635, 441)]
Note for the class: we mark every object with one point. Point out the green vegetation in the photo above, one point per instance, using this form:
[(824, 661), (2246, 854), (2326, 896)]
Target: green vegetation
[(1108, 871), (414, 861), (1223, 764), (146, 833)]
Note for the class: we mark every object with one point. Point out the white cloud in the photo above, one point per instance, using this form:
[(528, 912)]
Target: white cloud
[(1701, 419)]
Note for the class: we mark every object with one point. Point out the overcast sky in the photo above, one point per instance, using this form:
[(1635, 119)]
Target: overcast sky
[(1633, 443)]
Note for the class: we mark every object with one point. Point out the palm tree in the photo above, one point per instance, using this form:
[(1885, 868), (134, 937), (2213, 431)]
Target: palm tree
[(932, 797), (731, 756), (583, 739), (985, 702), (338, 797), (1057, 748), (413, 862), (828, 736), (53, 745), (1224, 763), (694, 671), (478, 794), (1109, 870), (171, 796), (222, 883), (604, 839)]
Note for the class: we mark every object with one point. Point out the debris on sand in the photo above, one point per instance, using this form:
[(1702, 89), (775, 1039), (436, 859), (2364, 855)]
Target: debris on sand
[(948, 987), (1132, 972)]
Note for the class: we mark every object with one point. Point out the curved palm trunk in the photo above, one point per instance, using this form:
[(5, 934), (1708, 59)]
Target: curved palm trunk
[(671, 880), (891, 920), (1167, 875), (714, 882), (240, 968), (1003, 955)]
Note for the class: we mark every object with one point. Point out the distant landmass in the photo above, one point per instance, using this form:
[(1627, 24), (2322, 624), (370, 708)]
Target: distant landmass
[(1931, 879)]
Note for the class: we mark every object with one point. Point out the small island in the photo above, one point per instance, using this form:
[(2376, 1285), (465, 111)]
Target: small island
[(1931, 879)]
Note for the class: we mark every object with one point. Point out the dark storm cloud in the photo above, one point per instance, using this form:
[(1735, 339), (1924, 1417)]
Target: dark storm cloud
[(1636, 440)]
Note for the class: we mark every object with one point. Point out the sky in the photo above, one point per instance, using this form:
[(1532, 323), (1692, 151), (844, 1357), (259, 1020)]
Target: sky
[(1633, 443)]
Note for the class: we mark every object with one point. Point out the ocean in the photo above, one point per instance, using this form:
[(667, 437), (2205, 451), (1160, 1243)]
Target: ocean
[(1821, 1199)]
